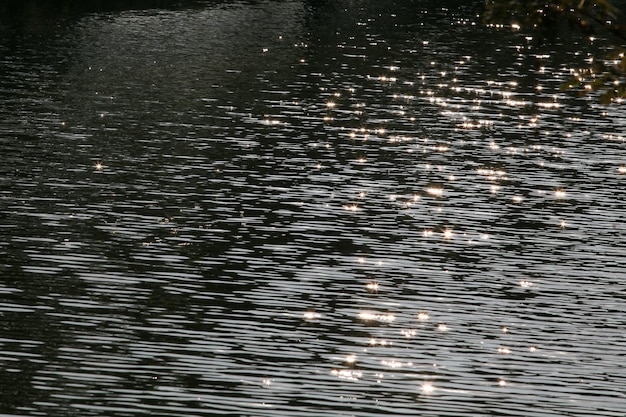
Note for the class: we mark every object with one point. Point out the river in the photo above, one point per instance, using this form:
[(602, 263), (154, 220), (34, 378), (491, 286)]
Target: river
[(289, 208)]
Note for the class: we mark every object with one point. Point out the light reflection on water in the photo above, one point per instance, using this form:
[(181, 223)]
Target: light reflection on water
[(276, 210)]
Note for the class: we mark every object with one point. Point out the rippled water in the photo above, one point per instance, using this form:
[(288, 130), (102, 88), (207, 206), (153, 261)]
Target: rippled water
[(282, 208)]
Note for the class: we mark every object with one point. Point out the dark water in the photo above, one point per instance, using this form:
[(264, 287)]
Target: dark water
[(289, 209)]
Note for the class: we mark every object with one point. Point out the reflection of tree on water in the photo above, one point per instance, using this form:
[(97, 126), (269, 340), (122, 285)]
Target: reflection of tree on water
[(599, 24), (35, 331)]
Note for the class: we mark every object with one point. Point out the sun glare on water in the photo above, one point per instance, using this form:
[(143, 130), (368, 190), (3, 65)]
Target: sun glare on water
[(423, 316), (369, 316), (372, 287), (427, 388), (311, 315), (435, 191)]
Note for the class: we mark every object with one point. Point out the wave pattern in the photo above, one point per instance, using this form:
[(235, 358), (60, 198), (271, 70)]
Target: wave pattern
[(271, 209)]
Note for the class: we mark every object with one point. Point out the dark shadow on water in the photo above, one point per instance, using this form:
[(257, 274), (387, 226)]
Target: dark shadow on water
[(18, 7), (43, 15)]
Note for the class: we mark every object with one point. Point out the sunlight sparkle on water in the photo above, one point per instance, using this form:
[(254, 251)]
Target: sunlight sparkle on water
[(372, 287), (380, 342), (408, 333), (392, 363), (369, 316), (423, 316), (427, 388), (348, 374), (549, 105), (435, 191), (492, 174), (559, 194), (311, 315), (98, 166)]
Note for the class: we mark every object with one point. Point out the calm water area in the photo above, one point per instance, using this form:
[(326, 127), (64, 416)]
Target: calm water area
[(297, 208)]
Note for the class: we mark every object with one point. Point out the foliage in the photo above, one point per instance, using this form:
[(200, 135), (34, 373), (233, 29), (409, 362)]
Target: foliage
[(606, 74)]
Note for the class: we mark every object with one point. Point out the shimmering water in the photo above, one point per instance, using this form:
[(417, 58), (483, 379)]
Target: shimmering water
[(289, 209)]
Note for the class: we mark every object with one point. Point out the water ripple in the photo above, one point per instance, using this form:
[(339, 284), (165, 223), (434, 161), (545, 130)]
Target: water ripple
[(280, 209)]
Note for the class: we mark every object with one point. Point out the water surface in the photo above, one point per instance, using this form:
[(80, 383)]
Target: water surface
[(282, 208)]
